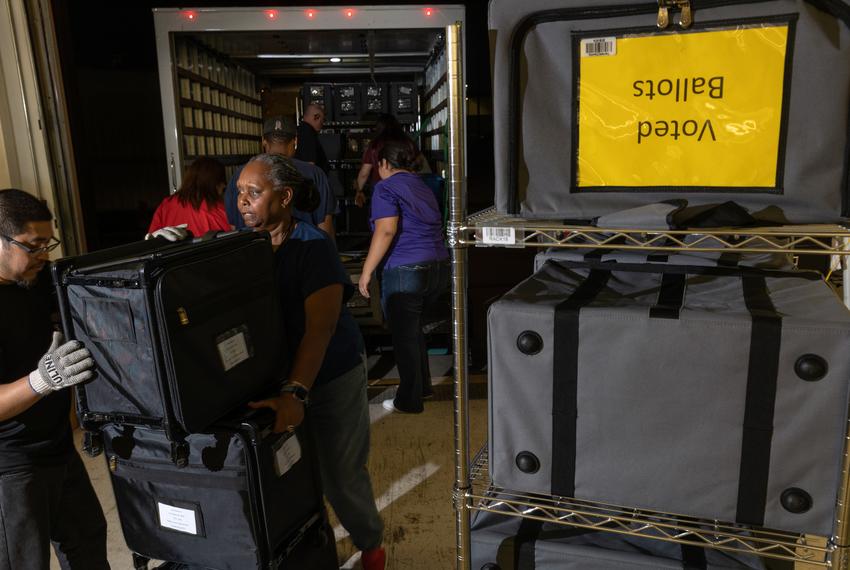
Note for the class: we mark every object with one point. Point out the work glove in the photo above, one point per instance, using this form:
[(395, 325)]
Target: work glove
[(171, 233), (64, 364)]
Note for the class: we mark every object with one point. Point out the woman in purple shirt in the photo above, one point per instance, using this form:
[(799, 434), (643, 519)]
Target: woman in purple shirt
[(408, 239)]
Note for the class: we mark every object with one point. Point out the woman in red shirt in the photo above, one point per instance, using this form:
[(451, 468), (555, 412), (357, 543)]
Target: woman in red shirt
[(198, 203)]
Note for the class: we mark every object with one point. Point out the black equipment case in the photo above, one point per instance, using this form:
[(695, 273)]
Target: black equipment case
[(182, 333), (245, 499), (604, 106)]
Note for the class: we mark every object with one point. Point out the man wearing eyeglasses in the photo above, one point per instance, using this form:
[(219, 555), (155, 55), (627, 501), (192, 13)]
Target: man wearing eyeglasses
[(45, 492), (309, 148)]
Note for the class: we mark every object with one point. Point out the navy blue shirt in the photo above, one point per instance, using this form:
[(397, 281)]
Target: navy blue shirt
[(327, 201), (306, 263)]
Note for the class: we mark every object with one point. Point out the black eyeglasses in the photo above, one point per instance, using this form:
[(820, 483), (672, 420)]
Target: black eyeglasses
[(51, 245)]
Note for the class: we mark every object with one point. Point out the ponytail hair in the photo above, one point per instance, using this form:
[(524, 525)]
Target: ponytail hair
[(283, 174), (400, 154)]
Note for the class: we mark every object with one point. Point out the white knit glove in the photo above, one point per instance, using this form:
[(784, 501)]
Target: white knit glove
[(171, 233), (63, 365)]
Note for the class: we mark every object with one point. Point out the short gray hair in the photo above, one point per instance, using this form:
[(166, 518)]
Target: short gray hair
[(282, 173)]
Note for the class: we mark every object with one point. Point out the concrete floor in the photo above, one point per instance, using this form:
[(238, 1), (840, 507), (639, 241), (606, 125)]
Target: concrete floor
[(412, 467)]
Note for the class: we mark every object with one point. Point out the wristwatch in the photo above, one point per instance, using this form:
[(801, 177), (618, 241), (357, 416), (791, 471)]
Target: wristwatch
[(298, 391)]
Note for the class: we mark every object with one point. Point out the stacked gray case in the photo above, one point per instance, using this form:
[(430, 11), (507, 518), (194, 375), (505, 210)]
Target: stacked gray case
[(719, 393), (510, 543), (535, 60)]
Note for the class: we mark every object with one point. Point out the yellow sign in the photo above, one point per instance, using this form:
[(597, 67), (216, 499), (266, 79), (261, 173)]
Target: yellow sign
[(696, 109)]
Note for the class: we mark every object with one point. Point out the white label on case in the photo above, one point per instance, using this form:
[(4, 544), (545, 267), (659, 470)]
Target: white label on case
[(501, 236), (233, 350), (175, 518), (287, 455), (598, 46)]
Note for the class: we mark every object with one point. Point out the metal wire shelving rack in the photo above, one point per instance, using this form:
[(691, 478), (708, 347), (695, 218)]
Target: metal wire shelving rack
[(473, 489)]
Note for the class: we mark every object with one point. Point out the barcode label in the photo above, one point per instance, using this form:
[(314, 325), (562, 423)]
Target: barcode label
[(500, 236), (598, 46)]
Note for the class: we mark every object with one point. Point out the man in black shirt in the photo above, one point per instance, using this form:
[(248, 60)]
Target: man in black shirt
[(45, 492), (309, 148)]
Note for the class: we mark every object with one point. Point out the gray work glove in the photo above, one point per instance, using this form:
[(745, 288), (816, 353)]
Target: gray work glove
[(171, 233), (63, 365)]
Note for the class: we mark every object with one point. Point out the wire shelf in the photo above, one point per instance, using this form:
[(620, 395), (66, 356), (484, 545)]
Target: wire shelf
[(819, 239), (729, 537)]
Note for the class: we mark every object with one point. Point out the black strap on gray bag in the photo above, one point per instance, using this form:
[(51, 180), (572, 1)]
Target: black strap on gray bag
[(762, 374), (671, 295), (565, 381)]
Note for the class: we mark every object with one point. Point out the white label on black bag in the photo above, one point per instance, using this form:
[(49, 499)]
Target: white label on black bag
[(500, 236), (175, 518), (598, 46), (287, 455), (233, 350)]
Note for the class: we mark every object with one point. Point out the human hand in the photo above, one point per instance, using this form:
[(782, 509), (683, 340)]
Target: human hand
[(360, 199), (64, 364), (363, 284), (171, 233), (289, 411)]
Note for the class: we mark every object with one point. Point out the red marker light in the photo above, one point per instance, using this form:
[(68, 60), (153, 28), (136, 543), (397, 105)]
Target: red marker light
[(349, 13), (311, 14), (190, 15), (271, 14), (429, 12)]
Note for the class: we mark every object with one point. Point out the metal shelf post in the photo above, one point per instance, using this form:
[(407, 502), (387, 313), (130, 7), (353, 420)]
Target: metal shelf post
[(457, 215)]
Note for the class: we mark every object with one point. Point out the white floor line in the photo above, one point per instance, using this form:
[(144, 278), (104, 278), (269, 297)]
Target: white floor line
[(349, 564), (398, 489)]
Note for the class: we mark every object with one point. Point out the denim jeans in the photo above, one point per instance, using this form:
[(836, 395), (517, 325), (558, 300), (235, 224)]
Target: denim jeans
[(407, 291), (338, 416)]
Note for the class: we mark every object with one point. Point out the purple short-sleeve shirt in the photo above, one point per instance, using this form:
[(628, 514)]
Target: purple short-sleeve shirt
[(420, 225)]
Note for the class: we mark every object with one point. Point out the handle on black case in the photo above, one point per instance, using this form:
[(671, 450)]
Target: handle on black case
[(214, 234)]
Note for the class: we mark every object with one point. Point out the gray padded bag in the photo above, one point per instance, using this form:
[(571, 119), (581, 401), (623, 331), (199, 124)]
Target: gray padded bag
[(502, 542), (704, 259), (719, 393), (534, 92)]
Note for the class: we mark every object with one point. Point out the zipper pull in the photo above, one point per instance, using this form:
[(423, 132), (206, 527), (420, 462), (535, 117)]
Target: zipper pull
[(687, 18), (113, 463), (183, 316), (684, 6), (663, 19)]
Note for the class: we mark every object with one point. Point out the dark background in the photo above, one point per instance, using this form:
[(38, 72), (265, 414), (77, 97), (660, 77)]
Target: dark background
[(109, 67)]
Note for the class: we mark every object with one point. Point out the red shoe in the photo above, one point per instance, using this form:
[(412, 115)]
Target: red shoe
[(375, 559)]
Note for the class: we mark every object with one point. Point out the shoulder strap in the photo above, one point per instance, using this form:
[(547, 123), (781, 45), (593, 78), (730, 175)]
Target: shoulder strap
[(565, 380), (762, 374)]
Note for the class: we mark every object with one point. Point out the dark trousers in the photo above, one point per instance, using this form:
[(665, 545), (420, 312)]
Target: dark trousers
[(44, 505), (407, 291)]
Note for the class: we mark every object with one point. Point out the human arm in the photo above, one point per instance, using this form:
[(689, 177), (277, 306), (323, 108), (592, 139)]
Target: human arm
[(382, 239), (322, 309), (327, 226), (63, 365), (16, 398), (362, 178)]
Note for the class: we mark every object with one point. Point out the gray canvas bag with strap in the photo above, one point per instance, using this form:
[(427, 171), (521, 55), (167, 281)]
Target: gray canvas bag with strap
[(558, 150), (719, 393), (502, 542)]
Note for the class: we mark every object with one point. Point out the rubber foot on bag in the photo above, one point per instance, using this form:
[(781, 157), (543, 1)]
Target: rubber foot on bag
[(811, 367), (527, 462), (529, 343), (796, 500)]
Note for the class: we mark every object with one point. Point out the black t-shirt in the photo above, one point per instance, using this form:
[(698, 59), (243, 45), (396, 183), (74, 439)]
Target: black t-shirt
[(40, 435), (306, 263), (309, 148)]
